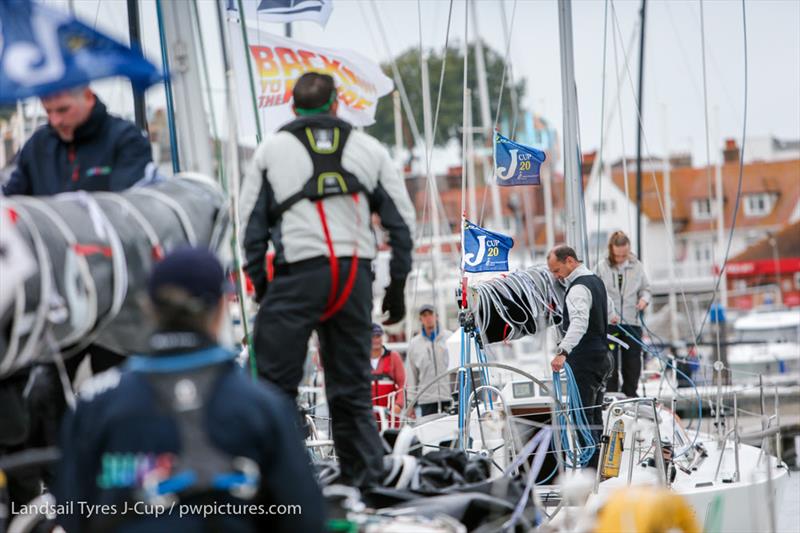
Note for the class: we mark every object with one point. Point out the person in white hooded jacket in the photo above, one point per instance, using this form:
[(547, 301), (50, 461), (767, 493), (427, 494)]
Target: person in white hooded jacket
[(629, 289)]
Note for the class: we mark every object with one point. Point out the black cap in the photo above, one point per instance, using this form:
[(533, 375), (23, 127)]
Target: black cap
[(195, 271)]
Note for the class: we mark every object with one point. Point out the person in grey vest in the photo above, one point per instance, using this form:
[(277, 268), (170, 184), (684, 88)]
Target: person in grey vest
[(427, 358), (629, 289), (584, 345)]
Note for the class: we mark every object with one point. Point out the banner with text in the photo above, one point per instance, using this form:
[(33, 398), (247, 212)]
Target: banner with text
[(276, 64)]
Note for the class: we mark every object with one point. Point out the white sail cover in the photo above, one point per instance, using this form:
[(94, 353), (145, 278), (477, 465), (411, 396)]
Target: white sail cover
[(93, 252)]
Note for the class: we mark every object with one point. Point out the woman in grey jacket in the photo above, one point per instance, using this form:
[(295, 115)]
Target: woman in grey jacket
[(627, 285)]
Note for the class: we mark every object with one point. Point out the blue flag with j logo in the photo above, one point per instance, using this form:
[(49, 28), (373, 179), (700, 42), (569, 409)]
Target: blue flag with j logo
[(44, 51), (484, 250), (514, 163)]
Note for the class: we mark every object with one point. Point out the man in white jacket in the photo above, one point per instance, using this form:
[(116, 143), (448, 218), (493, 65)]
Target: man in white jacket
[(427, 358), (311, 191)]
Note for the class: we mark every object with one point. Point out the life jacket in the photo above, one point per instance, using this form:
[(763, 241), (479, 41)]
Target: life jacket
[(383, 384), (183, 387), (324, 138)]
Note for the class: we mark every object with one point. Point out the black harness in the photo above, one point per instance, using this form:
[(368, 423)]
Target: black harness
[(324, 138)]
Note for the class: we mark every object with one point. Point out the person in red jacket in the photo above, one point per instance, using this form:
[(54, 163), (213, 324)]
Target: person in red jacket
[(388, 375)]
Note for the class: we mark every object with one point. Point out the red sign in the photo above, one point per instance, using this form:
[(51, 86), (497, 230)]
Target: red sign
[(760, 267), (791, 299)]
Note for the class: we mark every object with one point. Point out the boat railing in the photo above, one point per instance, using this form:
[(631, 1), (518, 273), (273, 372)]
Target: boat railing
[(514, 444), (617, 408)]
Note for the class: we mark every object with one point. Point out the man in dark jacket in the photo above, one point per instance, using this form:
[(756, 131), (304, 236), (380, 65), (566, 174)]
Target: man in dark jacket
[(82, 147), (584, 325), (186, 425)]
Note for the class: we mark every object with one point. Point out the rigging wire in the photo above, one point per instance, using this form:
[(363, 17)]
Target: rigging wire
[(204, 68), (506, 68), (465, 103), (652, 351), (670, 240), (741, 173), (429, 145), (509, 34), (621, 122), (398, 79), (602, 136), (719, 208)]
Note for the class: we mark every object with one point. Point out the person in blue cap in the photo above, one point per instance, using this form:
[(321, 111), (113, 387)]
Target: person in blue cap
[(182, 439)]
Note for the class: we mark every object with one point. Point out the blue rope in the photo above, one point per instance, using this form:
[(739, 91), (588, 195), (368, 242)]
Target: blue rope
[(669, 363), (481, 355), (576, 416), (462, 388)]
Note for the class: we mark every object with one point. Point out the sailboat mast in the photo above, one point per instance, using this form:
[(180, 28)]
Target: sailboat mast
[(639, 126), (573, 183), (673, 304), (719, 208), (190, 126)]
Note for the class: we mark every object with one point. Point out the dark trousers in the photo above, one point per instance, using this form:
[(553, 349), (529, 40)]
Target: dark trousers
[(434, 407), (627, 362), (289, 313), (38, 416), (590, 371)]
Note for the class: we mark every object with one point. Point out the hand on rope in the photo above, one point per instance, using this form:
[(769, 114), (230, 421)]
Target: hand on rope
[(558, 362)]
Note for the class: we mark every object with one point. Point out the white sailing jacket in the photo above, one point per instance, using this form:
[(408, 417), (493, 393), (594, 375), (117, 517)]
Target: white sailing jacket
[(281, 166)]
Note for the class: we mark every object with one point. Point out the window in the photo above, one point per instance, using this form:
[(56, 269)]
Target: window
[(701, 209), (604, 206), (758, 205), (702, 252)]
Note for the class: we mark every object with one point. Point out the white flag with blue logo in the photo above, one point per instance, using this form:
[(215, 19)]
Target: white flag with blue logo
[(484, 250), (514, 163), (318, 11)]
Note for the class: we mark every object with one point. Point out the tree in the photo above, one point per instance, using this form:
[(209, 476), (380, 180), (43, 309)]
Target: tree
[(450, 114)]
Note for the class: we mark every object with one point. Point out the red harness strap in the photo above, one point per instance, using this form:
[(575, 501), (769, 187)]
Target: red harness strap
[(334, 304)]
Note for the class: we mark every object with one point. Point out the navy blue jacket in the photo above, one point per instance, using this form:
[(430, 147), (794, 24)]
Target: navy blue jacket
[(106, 154), (118, 422)]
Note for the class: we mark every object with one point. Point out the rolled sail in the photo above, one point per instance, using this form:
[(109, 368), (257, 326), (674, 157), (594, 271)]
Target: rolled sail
[(93, 252)]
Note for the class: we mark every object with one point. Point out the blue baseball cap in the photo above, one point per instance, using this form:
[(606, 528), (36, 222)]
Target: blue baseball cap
[(426, 308), (376, 329), (194, 271)]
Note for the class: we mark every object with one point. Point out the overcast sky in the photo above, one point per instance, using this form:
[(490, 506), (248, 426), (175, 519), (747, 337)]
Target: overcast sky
[(673, 60)]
